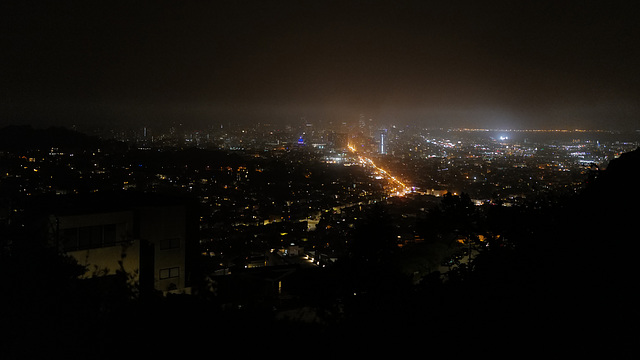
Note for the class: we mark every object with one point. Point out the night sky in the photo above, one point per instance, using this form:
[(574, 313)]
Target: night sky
[(508, 64)]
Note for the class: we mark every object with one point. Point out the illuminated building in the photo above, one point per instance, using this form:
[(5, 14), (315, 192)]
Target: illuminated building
[(383, 142)]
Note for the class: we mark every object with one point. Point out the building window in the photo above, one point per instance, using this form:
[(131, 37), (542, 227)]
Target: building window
[(109, 234), (88, 237), (69, 239), (169, 273)]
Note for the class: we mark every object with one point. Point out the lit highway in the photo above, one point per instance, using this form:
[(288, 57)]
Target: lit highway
[(399, 188)]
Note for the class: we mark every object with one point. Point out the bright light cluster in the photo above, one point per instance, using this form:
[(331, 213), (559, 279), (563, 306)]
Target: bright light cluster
[(403, 188)]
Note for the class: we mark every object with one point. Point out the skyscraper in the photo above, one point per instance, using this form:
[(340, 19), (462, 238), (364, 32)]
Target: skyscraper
[(382, 141)]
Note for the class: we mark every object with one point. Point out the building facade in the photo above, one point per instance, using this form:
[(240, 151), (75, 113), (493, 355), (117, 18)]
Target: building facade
[(145, 240)]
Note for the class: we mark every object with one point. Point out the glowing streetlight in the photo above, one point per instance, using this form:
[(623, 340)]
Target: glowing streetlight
[(393, 179)]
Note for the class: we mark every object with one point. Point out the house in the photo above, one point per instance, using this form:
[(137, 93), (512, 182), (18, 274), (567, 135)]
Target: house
[(144, 236)]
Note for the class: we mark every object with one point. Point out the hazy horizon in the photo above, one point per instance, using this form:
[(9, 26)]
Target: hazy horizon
[(541, 65)]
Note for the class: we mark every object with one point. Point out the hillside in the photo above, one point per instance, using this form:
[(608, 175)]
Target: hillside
[(20, 138)]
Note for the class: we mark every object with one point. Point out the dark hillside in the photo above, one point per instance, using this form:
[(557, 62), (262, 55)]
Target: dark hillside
[(576, 273), (21, 138)]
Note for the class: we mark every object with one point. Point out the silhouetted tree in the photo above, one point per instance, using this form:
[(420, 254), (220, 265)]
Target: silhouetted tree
[(375, 239)]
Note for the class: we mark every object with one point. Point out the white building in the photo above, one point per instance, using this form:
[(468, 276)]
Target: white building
[(147, 240)]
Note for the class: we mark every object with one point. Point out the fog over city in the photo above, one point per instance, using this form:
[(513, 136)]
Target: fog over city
[(492, 64)]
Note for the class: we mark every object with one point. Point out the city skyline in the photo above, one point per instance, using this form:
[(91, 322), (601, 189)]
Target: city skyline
[(546, 65), (310, 172)]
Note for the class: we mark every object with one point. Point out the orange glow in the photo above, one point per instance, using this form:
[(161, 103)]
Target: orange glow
[(404, 189)]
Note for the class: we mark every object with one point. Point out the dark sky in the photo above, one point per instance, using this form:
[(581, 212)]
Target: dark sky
[(526, 64)]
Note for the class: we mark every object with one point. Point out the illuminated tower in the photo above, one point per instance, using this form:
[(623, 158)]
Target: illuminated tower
[(383, 141)]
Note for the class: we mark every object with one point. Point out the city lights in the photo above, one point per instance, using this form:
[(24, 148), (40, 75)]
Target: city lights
[(240, 177), (399, 188)]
